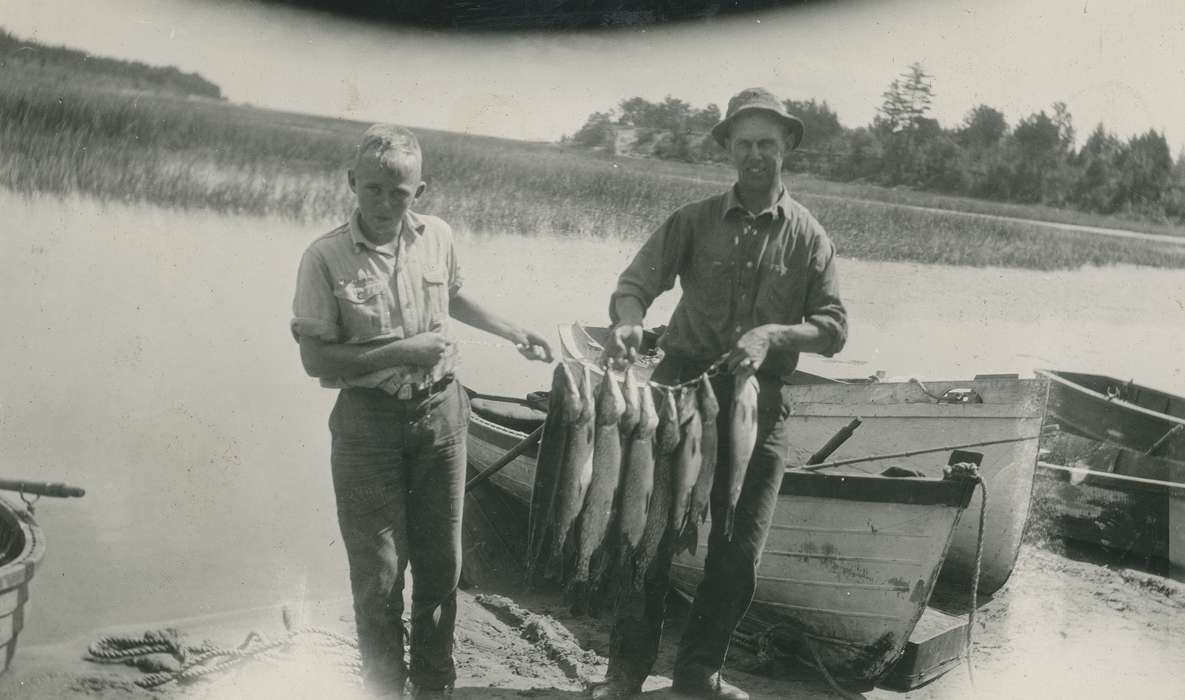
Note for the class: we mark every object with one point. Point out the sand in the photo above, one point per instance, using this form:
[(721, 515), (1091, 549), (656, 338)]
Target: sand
[(1060, 628)]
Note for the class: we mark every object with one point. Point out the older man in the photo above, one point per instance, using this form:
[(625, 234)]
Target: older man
[(371, 314), (759, 287)]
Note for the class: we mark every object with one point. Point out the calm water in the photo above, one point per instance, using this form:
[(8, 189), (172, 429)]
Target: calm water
[(148, 360)]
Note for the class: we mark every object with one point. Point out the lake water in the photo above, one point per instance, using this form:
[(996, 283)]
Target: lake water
[(147, 358)]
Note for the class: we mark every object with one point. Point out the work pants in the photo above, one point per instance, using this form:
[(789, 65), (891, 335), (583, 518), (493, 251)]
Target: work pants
[(399, 480), (730, 569)]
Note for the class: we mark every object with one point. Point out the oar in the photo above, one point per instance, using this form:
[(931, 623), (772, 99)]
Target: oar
[(523, 445), (41, 488), (840, 437), (913, 453)]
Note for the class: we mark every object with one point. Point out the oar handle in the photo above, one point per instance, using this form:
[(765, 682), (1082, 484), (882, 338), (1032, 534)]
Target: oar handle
[(524, 445), (41, 488)]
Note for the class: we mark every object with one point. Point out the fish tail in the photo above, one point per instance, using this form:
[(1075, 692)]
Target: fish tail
[(555, 565), (576, 597), (729, 516), (688, 537), (624, 572)]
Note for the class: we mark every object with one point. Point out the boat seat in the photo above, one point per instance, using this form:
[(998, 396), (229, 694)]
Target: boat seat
[(515, 415)]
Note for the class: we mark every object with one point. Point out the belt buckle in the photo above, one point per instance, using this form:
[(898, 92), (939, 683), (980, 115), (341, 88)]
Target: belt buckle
[(404, 393)]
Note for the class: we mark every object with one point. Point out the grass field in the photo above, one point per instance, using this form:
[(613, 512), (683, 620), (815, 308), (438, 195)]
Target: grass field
[(194, 153)]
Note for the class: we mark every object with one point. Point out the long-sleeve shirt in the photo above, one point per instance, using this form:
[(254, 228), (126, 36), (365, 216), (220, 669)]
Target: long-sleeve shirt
[(738, 270)]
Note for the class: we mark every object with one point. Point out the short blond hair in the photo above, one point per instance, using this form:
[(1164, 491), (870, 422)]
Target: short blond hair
[(391, 144)]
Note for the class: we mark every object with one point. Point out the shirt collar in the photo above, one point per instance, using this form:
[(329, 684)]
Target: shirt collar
[(779, 208), (412, 227)]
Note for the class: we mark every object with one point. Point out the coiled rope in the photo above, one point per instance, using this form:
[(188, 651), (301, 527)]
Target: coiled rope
[(207, 658)]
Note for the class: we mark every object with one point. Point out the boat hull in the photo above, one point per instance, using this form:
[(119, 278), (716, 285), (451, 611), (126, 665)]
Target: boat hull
[(905, 416), (21, 548), (847, 569), (1128, 415), (1103, 495)]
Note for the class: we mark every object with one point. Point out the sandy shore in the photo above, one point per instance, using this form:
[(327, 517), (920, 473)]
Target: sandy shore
[(1061, 628)]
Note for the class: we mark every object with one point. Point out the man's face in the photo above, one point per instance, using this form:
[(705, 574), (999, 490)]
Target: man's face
[(386, 189), (757, 146)]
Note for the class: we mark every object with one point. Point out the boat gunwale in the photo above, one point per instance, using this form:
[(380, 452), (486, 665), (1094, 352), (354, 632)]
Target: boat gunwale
[(873, 488)]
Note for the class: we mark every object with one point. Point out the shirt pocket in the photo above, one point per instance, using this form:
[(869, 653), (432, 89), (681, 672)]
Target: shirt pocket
[(782, 296), (436, 292), (362, 306)]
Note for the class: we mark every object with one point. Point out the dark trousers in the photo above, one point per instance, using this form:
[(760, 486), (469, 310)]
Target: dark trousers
[(399, 481), (729, 580)]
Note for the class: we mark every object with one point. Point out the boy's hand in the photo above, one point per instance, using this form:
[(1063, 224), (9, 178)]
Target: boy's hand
[(532, 346), (426, 349)]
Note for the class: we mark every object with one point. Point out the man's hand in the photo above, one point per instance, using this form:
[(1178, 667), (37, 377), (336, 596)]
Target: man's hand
[(425, 349), (625, 340), (532, 345), (750, 351)]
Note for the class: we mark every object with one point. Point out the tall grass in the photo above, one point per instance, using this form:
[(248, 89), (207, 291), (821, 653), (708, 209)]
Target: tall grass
[(208, 154)]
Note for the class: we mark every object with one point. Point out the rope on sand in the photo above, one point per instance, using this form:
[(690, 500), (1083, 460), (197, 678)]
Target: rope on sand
[(967, 470), (206, 658)]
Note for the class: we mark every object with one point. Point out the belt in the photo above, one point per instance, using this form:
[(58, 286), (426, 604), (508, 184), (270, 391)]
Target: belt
[(407, 392)]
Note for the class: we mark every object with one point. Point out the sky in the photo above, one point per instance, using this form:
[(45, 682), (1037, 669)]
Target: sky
[(1121, 62)]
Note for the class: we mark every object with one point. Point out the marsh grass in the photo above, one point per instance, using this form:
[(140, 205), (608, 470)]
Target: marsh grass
[(207, 154)]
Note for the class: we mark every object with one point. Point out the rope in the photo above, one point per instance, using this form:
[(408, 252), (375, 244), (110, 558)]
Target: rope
[(206, 658), (968, 470), (764, 644)]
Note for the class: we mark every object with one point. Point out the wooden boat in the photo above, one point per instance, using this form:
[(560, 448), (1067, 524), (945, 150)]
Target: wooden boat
[(1109, 410), (848, 567), (21, 548), (903, 416), (1104, 495)]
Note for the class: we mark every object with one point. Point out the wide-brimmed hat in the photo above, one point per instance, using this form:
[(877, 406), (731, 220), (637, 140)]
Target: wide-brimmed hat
[(765, 101)]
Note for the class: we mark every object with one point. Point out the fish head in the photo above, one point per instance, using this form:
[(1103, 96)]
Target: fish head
[(687, 404), (587, 399), (631, 414), (709, 406), (668, 422), (610, 401), (571, 394), (647, 412)]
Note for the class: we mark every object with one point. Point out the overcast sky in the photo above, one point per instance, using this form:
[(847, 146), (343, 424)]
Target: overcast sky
[(1117, 61)]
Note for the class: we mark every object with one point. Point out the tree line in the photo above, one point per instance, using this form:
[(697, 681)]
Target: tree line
[(1036, 160), (31, 60)]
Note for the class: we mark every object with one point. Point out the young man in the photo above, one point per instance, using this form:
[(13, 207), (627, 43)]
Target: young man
[(371, 314), (759, 286)]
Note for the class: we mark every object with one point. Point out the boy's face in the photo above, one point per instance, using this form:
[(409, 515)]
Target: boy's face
[(385, 189)]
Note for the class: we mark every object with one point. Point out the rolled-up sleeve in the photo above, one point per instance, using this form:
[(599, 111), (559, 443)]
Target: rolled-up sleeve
[(455, 278), (824, 308), (654, 268), (314, 308)]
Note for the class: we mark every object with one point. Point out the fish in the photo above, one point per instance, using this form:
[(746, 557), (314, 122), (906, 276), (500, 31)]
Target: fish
[(637, 479), (576, 470), (549, 463), (601, 496), (701, 494), (631, 416), (666, 442), (742, 440), (688, 459)]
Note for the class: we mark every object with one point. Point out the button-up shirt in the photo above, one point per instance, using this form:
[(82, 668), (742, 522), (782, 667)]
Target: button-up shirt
[(349, 290), (738, 270)]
